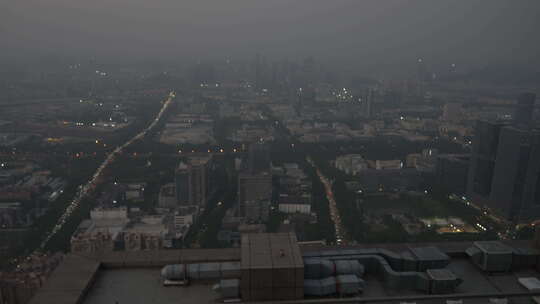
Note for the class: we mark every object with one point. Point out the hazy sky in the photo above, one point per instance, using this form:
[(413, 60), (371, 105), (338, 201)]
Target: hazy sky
[(378, 31)]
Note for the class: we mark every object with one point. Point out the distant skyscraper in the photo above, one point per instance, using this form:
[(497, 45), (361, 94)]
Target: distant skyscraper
[(309, 72), (486, 141), (181, 179), (260, 72), (392, 98), (504, 173), (274, 79), (368, 104), (451, 112), (254, 194), (202, 73), (422, 73), (451, 172), (192, 181), (524, 110), (198, 180), (258, 157)]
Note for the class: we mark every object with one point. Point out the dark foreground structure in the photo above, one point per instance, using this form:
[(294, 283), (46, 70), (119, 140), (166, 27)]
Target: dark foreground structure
[(274, 267)]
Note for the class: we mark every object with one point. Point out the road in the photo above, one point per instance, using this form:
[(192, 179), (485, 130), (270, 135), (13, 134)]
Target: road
[(332, 206), (85, 189)]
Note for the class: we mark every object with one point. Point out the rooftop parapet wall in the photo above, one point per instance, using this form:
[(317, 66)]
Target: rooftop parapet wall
[(69, 283), (160, 258)]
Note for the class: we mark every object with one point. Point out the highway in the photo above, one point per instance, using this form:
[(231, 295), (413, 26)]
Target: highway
[(85, 189), (332, 206)]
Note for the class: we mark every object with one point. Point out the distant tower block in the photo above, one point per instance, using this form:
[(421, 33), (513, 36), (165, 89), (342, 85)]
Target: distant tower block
[(258, 157), (524, 110)]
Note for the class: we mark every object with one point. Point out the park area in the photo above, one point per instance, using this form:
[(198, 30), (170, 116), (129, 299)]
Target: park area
[(419, 212), (419, 217)]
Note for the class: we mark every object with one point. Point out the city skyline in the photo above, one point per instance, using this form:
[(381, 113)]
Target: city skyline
[(240, 151)]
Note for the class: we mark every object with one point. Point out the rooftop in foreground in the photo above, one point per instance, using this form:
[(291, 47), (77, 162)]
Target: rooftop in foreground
[(134, 277), (143, 285)]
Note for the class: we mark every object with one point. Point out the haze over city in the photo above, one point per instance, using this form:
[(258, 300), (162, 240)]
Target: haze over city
[(269, 151), (352, 33)]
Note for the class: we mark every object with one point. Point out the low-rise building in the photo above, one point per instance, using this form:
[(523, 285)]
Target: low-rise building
[(167, 196), (112, 229), (294, 203), (388, 164), (11, 214), (135, 192), (184, 217), (254, 194), (351, 163), (146, 233)]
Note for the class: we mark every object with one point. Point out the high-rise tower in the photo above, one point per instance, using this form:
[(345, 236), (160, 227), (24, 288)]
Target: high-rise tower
[(504, 173), (524, 110)]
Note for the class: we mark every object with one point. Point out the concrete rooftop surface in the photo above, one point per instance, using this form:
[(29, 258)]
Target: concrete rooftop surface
[(134, 277), (144, 286)]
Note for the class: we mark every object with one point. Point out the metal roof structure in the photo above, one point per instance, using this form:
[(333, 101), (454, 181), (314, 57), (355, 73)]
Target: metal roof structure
[(493, 247)]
